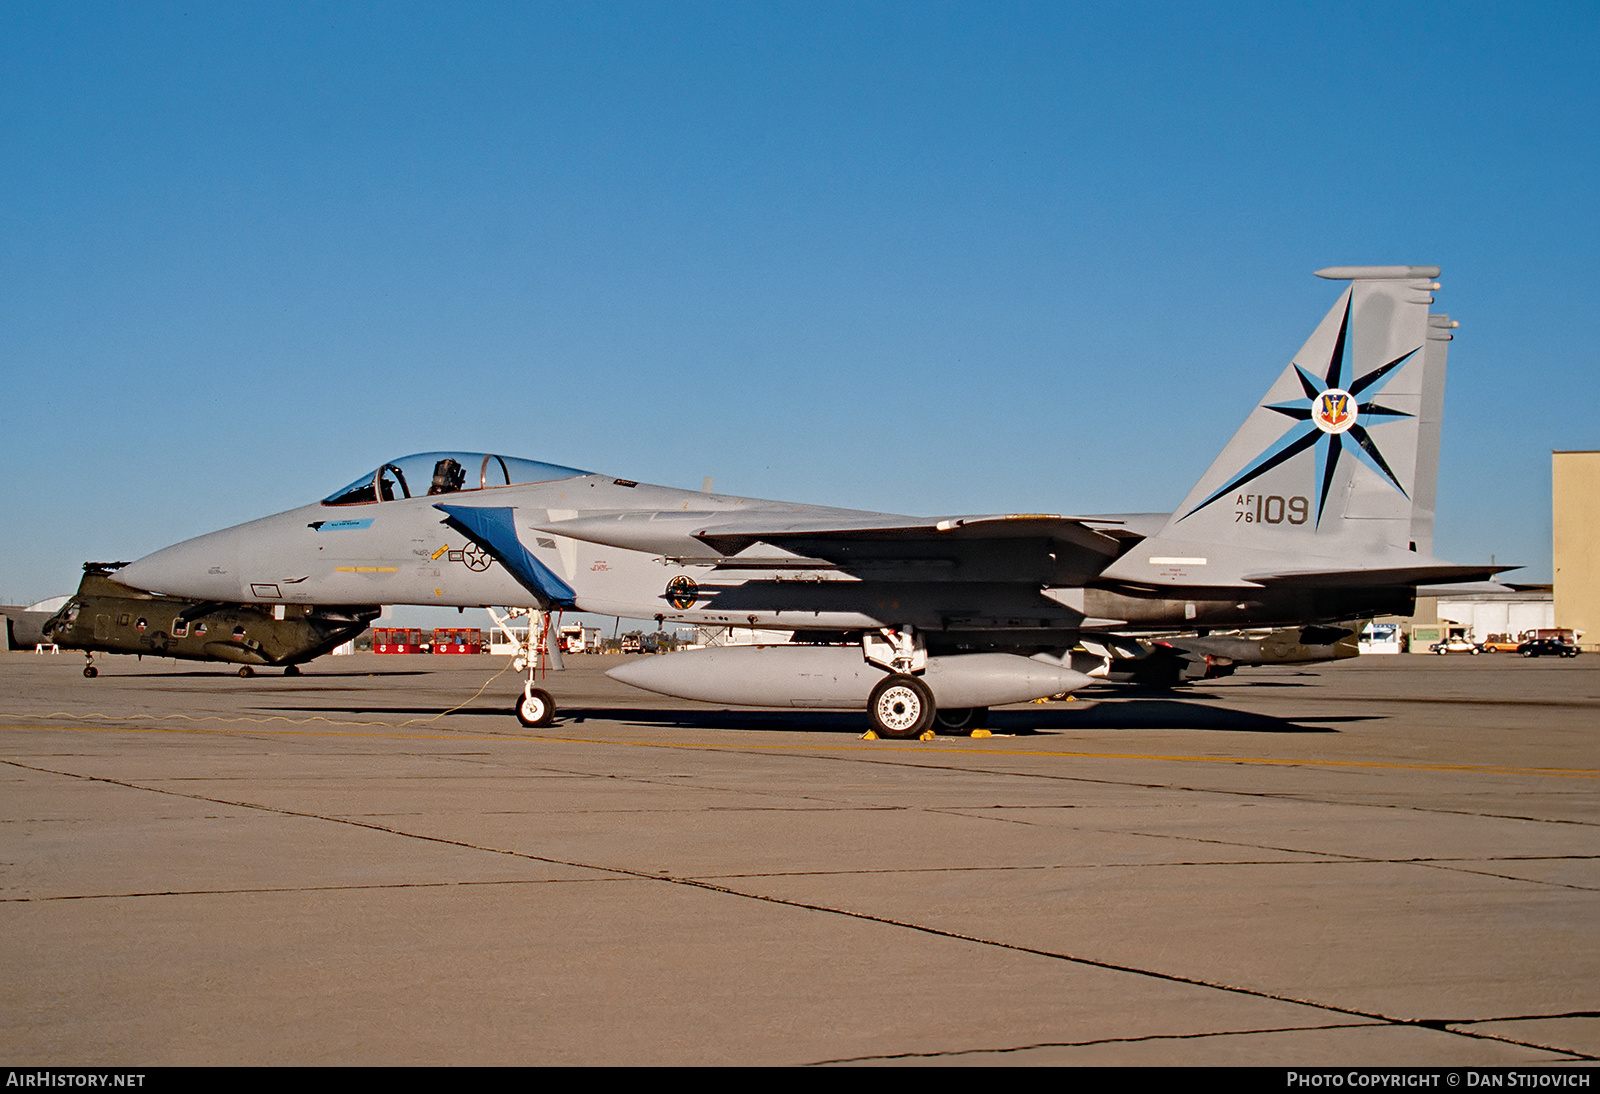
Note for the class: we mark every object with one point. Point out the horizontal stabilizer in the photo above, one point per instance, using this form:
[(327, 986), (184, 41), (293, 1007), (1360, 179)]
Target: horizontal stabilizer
[(1468, 588), (493, 530), (1402, 576)]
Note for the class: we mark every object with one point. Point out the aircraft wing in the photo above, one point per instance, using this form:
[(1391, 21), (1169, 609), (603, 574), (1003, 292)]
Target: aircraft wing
[(806, 536), (1016, 548), (1007, 547)]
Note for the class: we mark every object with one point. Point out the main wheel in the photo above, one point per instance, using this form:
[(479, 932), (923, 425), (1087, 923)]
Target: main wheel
[(959, 723), (291, 670), (535, 708), (90, 671), (246, 671), (901, 707)]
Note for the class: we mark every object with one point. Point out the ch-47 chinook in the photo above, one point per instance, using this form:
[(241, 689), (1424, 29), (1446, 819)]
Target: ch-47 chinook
[(1320, 509)]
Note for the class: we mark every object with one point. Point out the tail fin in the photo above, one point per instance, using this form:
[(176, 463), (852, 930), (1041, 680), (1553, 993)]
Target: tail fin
[(1429, 425), (1340, 459)]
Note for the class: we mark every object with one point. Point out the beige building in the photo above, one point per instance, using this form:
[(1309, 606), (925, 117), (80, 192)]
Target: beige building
[(1575, 508)]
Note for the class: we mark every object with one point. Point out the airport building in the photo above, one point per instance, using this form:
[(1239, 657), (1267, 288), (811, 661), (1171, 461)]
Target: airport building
[(1523, 608), (1575, 509)]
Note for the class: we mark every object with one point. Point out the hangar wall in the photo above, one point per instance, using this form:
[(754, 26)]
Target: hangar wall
[(1575, 514), (1499, 613)]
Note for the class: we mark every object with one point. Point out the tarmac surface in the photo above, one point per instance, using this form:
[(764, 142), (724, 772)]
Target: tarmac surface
[(1384, 861)]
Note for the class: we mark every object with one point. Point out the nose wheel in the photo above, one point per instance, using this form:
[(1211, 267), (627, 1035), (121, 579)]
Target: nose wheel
[(89, 671), (535, 708)]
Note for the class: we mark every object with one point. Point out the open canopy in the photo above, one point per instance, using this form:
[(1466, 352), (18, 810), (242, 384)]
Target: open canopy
[(434, 473)]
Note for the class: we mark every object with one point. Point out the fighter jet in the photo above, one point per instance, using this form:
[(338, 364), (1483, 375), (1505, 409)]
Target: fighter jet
[(1319, 509), (105, 616), (1168, 661)]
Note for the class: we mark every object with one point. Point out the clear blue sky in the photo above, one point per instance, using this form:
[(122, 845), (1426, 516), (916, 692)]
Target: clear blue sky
[(921, 257)]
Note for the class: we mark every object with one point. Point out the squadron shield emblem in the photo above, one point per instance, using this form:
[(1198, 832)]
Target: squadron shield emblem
[(1334, 411), (682, 593)]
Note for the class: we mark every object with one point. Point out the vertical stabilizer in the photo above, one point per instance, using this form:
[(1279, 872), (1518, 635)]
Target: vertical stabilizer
[(1339, 461), (1430, 423)]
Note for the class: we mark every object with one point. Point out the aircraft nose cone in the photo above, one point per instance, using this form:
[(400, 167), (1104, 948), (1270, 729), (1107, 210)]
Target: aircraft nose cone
[(206, 567)]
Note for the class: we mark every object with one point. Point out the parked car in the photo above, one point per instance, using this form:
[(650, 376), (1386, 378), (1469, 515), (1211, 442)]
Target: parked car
[(1454, 645), (1547, 647), (1501, 643)]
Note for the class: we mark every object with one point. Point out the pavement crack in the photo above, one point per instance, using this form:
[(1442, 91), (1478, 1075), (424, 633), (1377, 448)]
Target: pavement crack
[(1144, 1038), (823, 909)]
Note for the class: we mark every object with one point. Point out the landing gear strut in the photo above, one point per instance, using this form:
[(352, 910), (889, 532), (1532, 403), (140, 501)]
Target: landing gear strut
[(535, 654), (901, 706)]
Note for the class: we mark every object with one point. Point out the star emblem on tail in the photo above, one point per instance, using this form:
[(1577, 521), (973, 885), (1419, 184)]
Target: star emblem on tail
[(1332, 419)]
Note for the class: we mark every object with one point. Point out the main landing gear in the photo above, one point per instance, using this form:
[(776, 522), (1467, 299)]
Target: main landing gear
[(901, 707), (89, 671), (960, 723)]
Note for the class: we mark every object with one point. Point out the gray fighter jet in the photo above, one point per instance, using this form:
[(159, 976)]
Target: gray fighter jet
[(1319, 509)]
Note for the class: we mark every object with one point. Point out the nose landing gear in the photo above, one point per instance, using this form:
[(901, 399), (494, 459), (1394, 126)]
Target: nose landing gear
[(536, 653), (535, 708)]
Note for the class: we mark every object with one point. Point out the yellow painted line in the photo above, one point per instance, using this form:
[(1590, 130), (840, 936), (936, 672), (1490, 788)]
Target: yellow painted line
[(365, 569), (746, 746), (440, 551)]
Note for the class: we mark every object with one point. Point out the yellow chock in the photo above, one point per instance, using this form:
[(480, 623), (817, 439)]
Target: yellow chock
[(925, 735), (982, 733), (1069, 698), (869, 735)]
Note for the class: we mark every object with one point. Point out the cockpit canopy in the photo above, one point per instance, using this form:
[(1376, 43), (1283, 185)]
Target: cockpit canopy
[(430, 473)]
